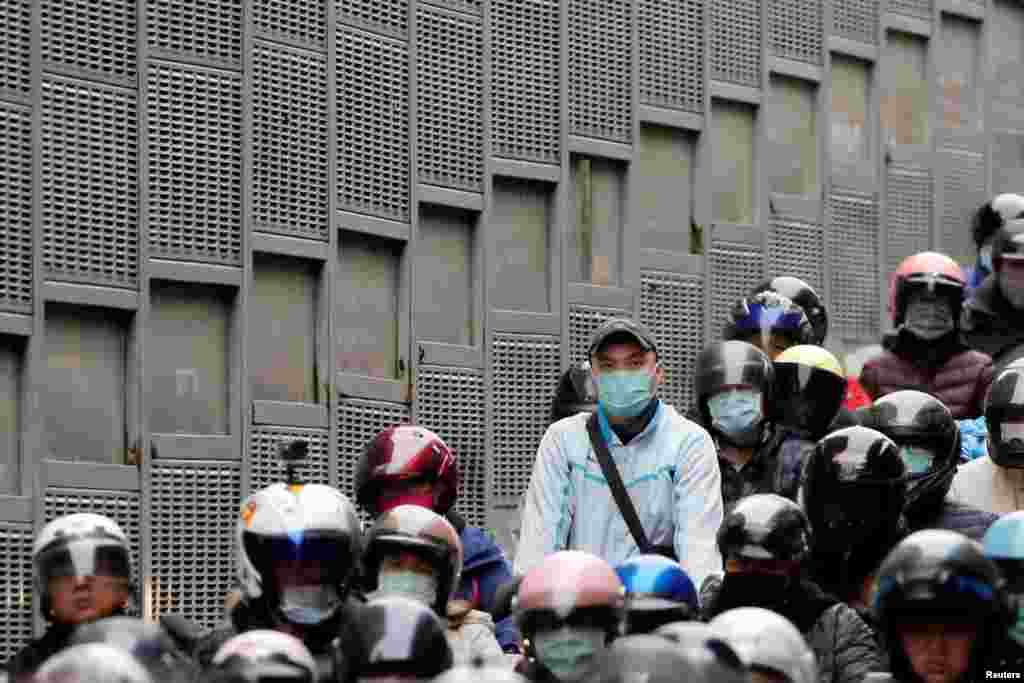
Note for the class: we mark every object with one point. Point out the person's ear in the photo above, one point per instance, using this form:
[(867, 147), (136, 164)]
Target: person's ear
[(659, 373)]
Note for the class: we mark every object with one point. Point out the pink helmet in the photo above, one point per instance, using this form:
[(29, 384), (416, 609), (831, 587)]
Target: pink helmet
[(938, 269), (566, 585)]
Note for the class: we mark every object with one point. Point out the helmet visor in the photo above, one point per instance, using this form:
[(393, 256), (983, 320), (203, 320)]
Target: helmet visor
[(807, 398), (82, 558)]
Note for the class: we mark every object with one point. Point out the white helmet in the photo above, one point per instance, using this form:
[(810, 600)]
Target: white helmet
[(81, 544), (92, 663), (298, 545), (767, 640), (269, 647)]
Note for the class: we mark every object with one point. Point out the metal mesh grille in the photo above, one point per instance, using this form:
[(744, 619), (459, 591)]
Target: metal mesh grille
[(449, 100), (373, 125), (795, 29), (195, 507), (471, 6), (387, 16), (15, 588), (450, 402), (290, 126), (963, 191), (856, 20), (524, 47), (853, 223), (735, 268), (736, 42), (304, 21), (908, 211), (15, 47), (96, 35), (211, 31), (913, 8), (600, 65), (672, 308), (265, 466), (527, 369), (90, 183), (195, 173), (359, 420), (16, 208), (672, 53), (797, 247), (583, 320)]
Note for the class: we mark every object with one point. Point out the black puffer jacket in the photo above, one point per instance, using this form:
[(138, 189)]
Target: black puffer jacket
[(22, 666), (775, 468), (991, 325), (965, 519)]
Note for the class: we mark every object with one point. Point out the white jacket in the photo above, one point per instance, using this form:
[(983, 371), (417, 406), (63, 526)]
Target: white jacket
[(989, 487), (471, 637), (671, 472)]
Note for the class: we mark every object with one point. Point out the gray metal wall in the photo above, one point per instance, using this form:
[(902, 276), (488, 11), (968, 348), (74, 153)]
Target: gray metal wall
[(232, 222)]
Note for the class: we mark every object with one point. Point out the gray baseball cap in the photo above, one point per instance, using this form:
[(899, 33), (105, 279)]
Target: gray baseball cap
[(615, 326)]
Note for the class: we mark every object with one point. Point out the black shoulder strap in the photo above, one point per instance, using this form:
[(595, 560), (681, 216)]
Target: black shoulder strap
[(611, 475)]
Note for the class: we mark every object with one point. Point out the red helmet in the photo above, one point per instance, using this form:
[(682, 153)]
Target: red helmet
[(407, 452), (937, 272)]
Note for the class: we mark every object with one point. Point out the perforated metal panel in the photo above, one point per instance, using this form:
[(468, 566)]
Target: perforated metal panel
[(913, 8), (94, 35), (735, 268), (16, 208), (600, 64), (265, 467), (527, 369), (853, 253), (795, 29), (672, 307), (524, 90), (373, 125), (90, 183), (15, 588), (384, 16), (797, 247), (210, 31), (359, 420), (15, 47), (195, 172), (736, 42), (471, 6), (194, 512), (450, 401), (289, 130), (449, 103), (856, 20), (963, 191), (672, 53), (908, 211), (583, 320), (304, 21)]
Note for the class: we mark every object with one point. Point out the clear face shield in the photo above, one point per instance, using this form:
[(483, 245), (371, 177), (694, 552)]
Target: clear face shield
[(63, 566)]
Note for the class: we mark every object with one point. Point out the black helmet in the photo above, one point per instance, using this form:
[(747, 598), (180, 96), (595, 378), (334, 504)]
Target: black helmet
[(804, 296), (809, 390), (1004, 415), (765, 526), (732, 364), (765, 314), (147, 642), (914, 418), (655, 659), (392, 636), (576, 392), (993, 214), (854, 488)]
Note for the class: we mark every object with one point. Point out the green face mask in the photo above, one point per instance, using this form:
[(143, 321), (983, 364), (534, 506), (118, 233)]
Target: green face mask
[(917, 459), (1017, 628), (568, 651)]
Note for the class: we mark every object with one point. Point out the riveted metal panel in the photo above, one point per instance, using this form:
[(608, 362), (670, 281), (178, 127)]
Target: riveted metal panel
[(16, 207), (387, 16), (289, 192), (359, 420), (853, 254), (797, 247), (198, 29), (583, 320), (525, 88), (856, 20), (195, 165), (672, 53), (963, 191), (672, 308), (735, 268), (303, 21), (265, 467), (15, 47), (94, 35), (15, 588), (449, 69), (600, 69), (373, 125), (911, 8), (908, 211), (90, 183), (795, 29), (527, 369), (194, 509), (736, 42), (450, 401)]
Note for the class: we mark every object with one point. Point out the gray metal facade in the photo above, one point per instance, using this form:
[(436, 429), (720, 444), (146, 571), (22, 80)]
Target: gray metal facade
[(232, 222)]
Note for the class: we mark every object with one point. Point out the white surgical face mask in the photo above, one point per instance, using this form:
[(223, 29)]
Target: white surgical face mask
[(309, 605), (414, 585), (568, 651)]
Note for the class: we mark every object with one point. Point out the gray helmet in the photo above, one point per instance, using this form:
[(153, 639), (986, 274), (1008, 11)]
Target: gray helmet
[(92, 663), (767, 640)]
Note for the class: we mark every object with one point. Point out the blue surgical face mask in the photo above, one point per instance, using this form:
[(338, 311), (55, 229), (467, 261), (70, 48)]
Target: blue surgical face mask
[(625, 393), (737, 414), (309, 605), (917, 459), (568, 651)]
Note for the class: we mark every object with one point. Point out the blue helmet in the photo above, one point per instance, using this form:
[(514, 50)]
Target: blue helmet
[(658, 592), (1004, 544)]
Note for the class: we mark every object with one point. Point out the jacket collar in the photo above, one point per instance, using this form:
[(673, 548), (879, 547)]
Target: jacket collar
[(609, 435)]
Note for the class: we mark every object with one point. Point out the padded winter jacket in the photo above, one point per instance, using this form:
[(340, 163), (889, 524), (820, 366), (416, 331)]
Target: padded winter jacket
[(991, 325), (985, 485), (471, 637), (22, 666), (484, 569), (775, 468), (952, 516), (954, 374)]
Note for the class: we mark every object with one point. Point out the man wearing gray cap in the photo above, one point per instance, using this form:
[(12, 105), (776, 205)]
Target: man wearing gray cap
[(667, 464)]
